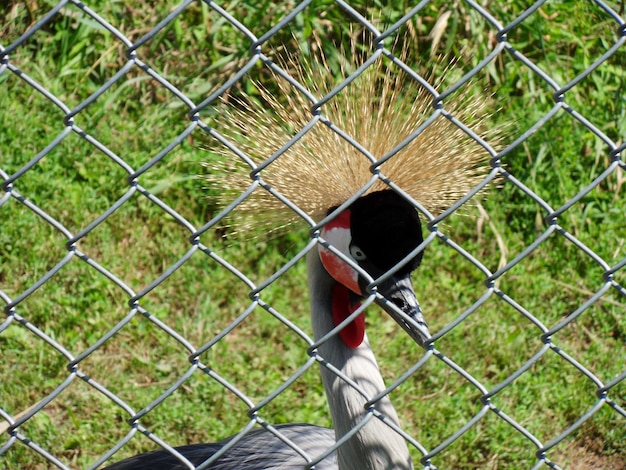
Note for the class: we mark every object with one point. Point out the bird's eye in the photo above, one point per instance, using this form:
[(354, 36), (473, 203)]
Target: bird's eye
[(357, 253)]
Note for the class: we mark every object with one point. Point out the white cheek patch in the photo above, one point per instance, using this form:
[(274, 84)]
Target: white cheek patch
[(339, 237)]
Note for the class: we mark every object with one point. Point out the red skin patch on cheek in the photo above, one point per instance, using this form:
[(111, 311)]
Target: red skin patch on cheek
[(353, 333), (337, 233), (340, 271)]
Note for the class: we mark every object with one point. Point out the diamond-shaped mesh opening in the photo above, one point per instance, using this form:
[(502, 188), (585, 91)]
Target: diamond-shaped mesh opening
[(73, 167), (237, 358), (179, 38), (494, 321), (115, 238), (69, 29), (129, 94), (21, 342), (447, 393), (562, 402), (33, 235), (20, 146)]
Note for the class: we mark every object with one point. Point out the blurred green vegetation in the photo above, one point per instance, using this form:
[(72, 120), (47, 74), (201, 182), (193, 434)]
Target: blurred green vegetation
[(72, 56)]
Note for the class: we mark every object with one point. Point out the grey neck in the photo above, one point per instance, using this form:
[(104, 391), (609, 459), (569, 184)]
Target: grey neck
[(375, 445)]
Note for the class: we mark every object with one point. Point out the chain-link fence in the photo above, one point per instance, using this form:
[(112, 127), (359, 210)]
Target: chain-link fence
[(108, 350)]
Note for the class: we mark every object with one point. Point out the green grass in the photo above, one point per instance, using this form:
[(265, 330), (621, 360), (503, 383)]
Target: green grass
[(136, 118)]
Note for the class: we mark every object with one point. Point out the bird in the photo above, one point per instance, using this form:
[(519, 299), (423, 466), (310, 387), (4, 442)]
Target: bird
[(376, 446), (364, 172)]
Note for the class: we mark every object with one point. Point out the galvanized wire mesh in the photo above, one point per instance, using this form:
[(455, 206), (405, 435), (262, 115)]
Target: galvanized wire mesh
[(16, 420)]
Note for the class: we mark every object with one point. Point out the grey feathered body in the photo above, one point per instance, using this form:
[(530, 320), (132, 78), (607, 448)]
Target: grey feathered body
[(258, 450)]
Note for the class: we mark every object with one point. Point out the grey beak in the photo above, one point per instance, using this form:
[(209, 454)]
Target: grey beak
[(401, 304)]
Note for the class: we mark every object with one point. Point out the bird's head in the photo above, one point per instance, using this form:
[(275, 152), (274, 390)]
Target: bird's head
[(377, 232), (319, 167)]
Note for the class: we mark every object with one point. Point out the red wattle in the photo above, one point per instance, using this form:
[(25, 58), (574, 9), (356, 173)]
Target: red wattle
[(353, 333)]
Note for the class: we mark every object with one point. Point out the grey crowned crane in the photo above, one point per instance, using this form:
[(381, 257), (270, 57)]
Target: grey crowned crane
[(389, 233), (377, 232)]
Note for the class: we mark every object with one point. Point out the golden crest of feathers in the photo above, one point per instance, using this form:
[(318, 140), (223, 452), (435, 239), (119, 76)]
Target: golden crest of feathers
[(321, 170)]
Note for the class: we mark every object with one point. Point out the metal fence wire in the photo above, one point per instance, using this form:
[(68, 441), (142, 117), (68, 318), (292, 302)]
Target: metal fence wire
[(23, 402)]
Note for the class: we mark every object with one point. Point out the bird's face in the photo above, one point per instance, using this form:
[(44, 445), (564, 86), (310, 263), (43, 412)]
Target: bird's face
[(376, 232)]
